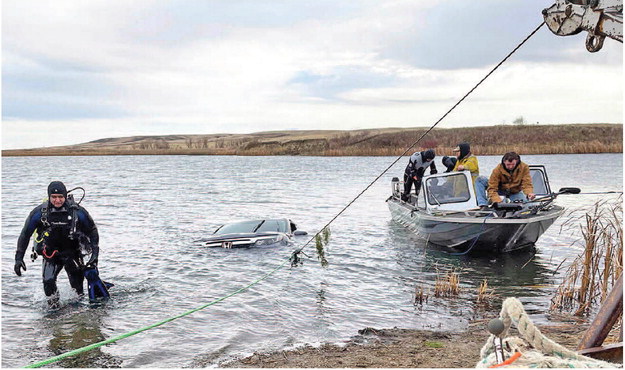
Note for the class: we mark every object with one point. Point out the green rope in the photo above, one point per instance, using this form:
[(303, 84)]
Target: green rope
[(115, 339)]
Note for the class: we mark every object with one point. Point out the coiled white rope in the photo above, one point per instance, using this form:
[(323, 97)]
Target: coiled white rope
[(536, 349)]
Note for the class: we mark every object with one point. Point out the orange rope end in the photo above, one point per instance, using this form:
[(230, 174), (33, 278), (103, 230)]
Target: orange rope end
[(512, 358)]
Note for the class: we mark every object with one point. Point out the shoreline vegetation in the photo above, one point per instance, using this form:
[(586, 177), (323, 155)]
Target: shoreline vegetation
[(485, 140)]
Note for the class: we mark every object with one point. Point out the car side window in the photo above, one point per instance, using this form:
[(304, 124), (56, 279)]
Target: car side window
[(274, 226)]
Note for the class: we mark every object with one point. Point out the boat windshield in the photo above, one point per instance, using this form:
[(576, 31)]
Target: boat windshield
[(539, 182), (448, 189), (254, 226)]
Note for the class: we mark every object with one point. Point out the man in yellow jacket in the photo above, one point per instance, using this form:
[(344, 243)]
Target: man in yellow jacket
[(466, 161), (511, 178)]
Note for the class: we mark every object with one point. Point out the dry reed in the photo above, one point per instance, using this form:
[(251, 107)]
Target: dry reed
[(484, 294), (420, 296), (447, 285), (592, 274)]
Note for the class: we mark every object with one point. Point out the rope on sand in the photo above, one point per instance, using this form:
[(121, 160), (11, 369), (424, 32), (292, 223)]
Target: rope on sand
[(536, 350)]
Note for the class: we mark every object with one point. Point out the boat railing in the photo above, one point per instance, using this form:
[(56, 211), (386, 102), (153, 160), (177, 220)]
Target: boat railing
[(468, 213)]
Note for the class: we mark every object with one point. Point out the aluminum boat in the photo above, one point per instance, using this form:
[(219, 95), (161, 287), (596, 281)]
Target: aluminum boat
[(445, 212)]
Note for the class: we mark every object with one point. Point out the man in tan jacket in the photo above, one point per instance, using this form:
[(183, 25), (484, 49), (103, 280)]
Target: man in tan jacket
[(511, 178)]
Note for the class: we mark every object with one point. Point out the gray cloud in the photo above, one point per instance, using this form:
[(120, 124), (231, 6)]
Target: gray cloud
[(469, 34), (340, 79), (45, 88)]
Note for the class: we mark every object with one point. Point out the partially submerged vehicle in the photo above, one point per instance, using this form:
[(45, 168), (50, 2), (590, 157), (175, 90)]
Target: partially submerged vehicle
[(253, 233), (446, 213)]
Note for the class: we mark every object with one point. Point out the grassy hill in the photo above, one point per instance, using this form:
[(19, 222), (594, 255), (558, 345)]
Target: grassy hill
[(486, 140)]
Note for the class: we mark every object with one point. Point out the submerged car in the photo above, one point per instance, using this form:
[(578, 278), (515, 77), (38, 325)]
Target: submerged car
[(254, 233)]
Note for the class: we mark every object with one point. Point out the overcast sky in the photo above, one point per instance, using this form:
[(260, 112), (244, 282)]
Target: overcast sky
[(75, 71)]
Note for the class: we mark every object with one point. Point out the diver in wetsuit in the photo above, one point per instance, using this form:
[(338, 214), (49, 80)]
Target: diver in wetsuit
[(63, 229), (415, 170)]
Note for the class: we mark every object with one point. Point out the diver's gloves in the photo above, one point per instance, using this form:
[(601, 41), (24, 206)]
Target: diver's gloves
[(93, 260), (19, 264)]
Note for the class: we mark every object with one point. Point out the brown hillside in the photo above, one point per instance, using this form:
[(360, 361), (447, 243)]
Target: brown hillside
[(486, 140)]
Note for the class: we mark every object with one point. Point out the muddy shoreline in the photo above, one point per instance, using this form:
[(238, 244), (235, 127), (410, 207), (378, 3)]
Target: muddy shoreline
[(400, 348)]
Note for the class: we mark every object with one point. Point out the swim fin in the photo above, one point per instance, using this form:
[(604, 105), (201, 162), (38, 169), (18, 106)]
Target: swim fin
[(97, 288)]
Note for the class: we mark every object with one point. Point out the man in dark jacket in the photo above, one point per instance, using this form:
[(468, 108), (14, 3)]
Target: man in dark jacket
[(62, 226), (415, 170)]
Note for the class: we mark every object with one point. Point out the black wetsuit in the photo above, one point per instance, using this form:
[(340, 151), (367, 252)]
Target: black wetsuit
[(416, 167), (60, 247)]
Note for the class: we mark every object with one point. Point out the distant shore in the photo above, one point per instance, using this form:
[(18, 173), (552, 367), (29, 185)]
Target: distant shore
[(485, 140)]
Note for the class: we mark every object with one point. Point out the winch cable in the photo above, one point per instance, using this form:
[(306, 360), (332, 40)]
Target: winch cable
[(294, 256)]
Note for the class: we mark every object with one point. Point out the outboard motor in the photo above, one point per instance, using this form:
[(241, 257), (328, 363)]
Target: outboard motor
[(395, 187)]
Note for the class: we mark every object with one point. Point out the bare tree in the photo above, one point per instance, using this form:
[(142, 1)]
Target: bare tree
[(519, 121)]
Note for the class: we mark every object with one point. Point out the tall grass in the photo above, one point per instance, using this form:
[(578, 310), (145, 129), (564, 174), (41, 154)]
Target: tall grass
[(590, 277)]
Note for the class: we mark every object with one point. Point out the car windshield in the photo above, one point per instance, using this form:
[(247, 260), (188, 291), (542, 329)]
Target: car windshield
[(253, 226)]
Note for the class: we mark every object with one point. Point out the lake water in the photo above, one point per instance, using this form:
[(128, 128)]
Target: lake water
[(151, 209)]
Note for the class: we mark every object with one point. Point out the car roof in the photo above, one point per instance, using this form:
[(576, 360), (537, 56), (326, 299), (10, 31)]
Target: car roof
[(258, 220), (289, 224)]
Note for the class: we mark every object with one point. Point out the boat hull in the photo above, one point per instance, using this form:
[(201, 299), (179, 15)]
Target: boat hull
[(464, 233)]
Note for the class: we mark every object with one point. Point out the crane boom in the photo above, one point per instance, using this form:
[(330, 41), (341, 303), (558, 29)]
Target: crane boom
[(600, 18)]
